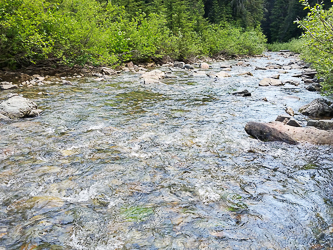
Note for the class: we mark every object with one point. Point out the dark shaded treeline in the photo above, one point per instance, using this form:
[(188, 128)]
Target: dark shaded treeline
[(276, 17)]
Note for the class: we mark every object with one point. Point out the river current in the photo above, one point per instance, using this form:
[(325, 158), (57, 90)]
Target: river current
[(124, 165)]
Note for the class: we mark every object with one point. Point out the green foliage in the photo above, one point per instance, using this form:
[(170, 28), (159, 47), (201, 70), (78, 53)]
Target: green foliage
[(296, 45), (318, 27), (100, 33), (233, 41)]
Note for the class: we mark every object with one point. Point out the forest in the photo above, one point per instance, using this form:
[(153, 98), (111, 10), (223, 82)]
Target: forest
[(111, 32)]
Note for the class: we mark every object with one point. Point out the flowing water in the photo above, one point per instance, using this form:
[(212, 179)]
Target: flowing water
[(124, 165)]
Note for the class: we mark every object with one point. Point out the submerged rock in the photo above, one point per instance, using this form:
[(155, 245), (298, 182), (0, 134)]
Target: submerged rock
[(318, 108), (278, 131), (19, 107), (242, 93)]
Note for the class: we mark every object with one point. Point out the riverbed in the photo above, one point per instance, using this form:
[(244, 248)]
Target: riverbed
[(120, 164)]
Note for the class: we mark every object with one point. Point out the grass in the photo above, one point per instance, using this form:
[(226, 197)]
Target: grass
[(294, 45)]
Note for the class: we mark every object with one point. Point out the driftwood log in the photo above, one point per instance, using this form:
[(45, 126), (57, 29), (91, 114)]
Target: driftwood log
[(278, 131)]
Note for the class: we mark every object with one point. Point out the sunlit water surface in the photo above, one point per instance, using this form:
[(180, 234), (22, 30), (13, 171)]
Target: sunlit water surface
[(124, 165)]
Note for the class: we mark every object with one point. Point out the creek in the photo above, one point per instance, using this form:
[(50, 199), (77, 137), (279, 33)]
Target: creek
[(124, 165)]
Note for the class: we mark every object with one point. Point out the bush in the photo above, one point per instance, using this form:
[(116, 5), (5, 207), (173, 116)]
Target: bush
[(318, 37), (296, 45), (99, 33)]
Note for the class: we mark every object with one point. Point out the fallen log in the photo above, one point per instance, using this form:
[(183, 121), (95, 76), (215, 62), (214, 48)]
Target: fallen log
[(278, 131)]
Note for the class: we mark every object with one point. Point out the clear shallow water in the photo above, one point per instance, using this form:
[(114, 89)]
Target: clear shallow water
[(123, 165)]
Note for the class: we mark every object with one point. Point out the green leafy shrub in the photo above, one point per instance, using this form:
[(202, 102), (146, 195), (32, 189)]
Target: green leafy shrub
[(100, 33), (294, 45), (318, 37)]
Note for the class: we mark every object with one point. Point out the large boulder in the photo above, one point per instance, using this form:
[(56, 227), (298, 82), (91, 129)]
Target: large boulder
[(318, 108), (278, 131), (19, 107), (204, 65), (153, 76)]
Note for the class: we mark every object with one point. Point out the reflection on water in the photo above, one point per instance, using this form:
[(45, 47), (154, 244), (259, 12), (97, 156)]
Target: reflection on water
[(123, 165)]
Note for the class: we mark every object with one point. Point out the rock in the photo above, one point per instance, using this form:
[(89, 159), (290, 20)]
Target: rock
[(242, 93), (225, 66), (283, 118), (270, 82), (297, 75), (273, 66), (265, 99), (290, 111), (277, 131), (99, 79), (260, 68), (243, 64), (321, 124), (276, 77), (204, 65), (284, 50), (9, 86), (189, 66), (4, 118), (150, 81), (93, 74), (286, 68), (222, 74), (288, 120), (154, 74), (309, 73), (19, 107), (179, 65), (296, 67), (107, 71), (246, 74), (130, 65), (318, 108), (307, 81), (311, 88), (292, 82), (65, 82), (292, 122)]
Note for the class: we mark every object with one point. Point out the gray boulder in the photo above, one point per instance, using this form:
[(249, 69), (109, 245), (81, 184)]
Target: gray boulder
[(188, 66), (318, 108), (321, 124), (19, 107), (179, 64)]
